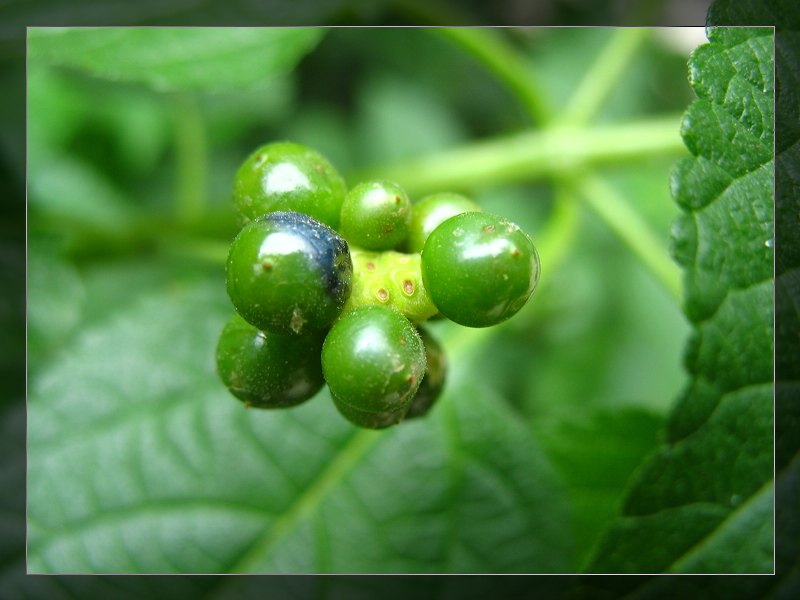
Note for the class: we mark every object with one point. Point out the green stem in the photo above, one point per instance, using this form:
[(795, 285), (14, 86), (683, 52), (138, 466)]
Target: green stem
[(534, 155), (191, 157), (491, 50), (602, 77), (207, 250), (611, 207)]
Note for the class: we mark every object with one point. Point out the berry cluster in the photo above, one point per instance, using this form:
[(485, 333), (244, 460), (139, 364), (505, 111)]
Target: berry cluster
[(332, 286)]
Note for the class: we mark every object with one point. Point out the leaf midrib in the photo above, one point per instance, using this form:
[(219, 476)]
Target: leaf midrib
[(347, 458)]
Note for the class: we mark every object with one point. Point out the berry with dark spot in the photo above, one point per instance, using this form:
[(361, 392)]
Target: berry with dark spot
[(287, 273)]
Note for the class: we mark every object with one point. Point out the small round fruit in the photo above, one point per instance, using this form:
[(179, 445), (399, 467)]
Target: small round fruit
[(288, 273), (373, 360), (266, 370), (431, 211), (284, 176), (376, 215), (433, 382), (479, 269)]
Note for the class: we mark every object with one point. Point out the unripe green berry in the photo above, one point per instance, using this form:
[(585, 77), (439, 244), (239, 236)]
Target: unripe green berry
[(266, 370), (373, 360), (433, 382), (479, 269), (431, 211), (390, 279), (376, 215), (284, 176)]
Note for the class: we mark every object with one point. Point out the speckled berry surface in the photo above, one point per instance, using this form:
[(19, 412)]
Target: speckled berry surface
[(285, 176), (266, 370), (479, 269), (288, 273), (431, 211), (392, 279), (373, 360), (376, 215)]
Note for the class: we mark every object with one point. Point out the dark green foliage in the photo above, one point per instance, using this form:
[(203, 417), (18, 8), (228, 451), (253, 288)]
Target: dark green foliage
[(704, 499)]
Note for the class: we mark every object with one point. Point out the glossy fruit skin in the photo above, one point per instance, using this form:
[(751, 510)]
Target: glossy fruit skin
[(376, 215), (479, 268), (433, 382), (285, 176), (266, 370), (433, 210), (288, 273), (373, 360)]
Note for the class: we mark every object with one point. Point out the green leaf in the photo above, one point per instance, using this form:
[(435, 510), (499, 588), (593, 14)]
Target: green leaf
[(175, 59), (596, 455), (141, 462), (703, 501)]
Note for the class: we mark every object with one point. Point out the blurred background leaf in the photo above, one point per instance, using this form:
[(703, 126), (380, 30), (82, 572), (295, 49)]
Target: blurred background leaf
[(113, 164), (175, 59), (578, 321)]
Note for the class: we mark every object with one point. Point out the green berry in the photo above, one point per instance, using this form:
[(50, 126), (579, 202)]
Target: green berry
[(265, 370), (376, 215), (391, 279), (288, 273), (431, 211), (284, 176), (479, 269), (373, 360), (433, 382)]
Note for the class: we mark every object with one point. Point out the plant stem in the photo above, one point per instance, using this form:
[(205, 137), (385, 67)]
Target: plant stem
[(207, 250), (191, 158), (534, 155), (611, 207), (505, 63), (603, 75)]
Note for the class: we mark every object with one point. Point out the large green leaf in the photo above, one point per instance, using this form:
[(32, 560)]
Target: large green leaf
[(173, 58), (140, 462), (703, 502)]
